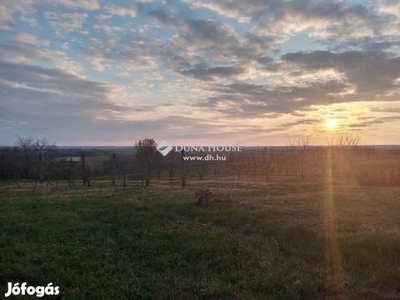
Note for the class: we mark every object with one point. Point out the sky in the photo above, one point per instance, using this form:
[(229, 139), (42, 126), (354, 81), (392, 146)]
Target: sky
[(191, 72)]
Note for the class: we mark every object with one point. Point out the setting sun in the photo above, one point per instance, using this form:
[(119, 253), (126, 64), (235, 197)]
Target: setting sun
[(331, 124)]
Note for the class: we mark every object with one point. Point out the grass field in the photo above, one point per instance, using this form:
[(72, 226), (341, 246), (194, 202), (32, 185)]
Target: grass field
[(97, 160), (287, 239)]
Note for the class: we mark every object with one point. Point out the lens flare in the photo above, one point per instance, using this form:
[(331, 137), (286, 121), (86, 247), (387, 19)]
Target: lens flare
[(331, 124)]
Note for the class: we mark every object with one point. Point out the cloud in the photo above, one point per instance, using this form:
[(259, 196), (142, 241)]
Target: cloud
[(204, 72), (85, 4), (52, 79), (121, 11), (130, 57), (72, 100), (246, 100), (243, 11), (379, 120), (210, 50), (278, 21), (298, 10), (102, 17), (165, 17), (28, 10), (391, 7), (6, 19), (205, 34), (67, 22), (391, 110), (371, 72), (30, 20), (31, 39), (29, 47), (367, 76)]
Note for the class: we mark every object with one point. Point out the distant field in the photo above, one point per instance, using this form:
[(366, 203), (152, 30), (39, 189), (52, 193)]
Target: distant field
[(292, 239), (97, 160), (73, 158)]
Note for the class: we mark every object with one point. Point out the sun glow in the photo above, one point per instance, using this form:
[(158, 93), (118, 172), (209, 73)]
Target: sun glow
[(331, 124)]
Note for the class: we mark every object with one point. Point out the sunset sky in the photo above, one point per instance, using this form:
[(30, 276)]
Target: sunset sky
[(254, 72)]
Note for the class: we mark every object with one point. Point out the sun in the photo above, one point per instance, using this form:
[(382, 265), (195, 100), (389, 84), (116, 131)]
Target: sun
[(331, 123)]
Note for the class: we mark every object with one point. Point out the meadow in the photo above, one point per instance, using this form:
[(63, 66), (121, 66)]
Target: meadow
[(316, 238)]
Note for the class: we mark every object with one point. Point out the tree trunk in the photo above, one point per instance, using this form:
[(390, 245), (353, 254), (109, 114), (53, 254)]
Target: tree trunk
[(83, 169), (183, 169)]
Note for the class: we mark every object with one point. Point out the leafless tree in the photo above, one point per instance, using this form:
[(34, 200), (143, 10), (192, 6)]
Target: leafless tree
[(345, 148), (145, 151), (348, 144), (264, 167), (171, 164), (158, 164), (240, 163), (43, 153), (26, 145), (201, 169), (215, 169), (185, 168), (301, 150), (37, 156)]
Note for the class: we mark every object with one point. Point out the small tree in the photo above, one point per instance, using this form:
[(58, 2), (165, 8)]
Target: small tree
[(348, 144), (43, 156), (26, 145), (145, 151), (36, 157), (301, 151), (158, 164), (171, 164), (184, 168)]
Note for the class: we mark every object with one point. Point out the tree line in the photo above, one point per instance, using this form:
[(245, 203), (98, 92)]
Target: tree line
[(39, 161)]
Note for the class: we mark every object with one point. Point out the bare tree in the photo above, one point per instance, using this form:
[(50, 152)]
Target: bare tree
[(264, 167), (158, 164), (349, 140), (344, 148), (184, 168), (145, 151), (36, 157), (240, 163), (301, 150), (201, 169), (26, 146), (348, 144), (171, 164), (43, 153), (70, 168), (215, 170)]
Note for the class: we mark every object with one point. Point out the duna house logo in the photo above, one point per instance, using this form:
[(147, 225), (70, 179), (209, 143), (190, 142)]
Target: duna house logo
[(164, 148)]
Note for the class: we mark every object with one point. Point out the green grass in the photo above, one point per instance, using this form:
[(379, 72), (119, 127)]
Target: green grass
[(269, 242)]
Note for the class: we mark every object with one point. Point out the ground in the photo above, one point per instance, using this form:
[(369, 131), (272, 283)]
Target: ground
[(256, 239)]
